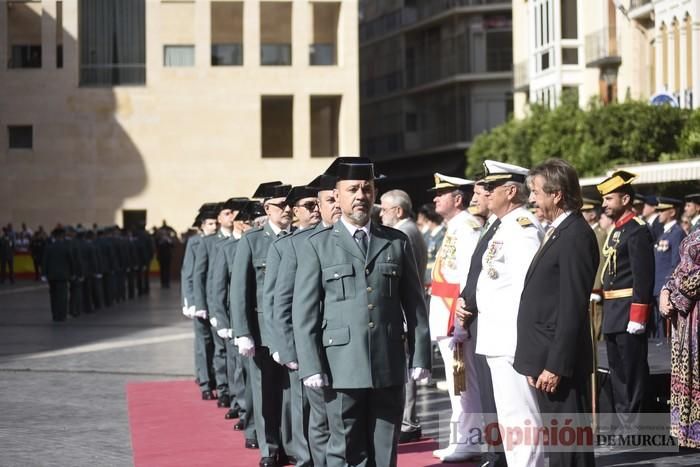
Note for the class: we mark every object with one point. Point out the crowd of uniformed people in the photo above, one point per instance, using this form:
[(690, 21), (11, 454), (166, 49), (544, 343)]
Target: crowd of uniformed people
[(314, 311), (89, 269)]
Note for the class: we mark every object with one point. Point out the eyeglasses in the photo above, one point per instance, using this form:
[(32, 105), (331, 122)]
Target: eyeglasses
[(491, 187), (282, 206), (309, 205)]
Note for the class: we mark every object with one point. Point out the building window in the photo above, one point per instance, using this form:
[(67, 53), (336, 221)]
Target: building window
[(59, 34), (20, 136), (276, 33), (25, 56), (323, 50), (569, 55), (178, 55), (112, 42), (325, 117), (277, 126), (569, 19), (226, 33), (23, 34)]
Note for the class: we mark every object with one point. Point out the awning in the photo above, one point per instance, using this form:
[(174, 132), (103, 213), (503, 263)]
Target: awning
[(655, 172)]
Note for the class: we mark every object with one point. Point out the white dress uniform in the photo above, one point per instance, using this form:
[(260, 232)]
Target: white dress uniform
[(449, 277), (505, 264)]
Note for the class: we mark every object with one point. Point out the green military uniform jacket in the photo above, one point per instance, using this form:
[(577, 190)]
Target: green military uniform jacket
[(221, 282), (58, 263), (204, 260), (269, 324), (357, 335), (281, 313), (247, 284), (187, 271)]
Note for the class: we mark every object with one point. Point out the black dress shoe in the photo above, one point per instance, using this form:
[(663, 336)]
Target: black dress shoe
[(268, 462), (232, 413), (239, 426), (251, 444), (409, 436), (224, 401), (207, 396)]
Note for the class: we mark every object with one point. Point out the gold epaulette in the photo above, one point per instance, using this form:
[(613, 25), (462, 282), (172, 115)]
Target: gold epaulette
[(524, 222), (640, 221), (473, 224)]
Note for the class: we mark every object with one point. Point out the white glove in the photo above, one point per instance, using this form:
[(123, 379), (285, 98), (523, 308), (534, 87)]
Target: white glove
[(418, 374), (229, 333), (292, 366), (596, 298), (214, 322), (186, 312), (276, 357), (456, 340), (190, 312), (223, 333), (201, 314), (99, 276), (316, 381), (246, 346), (43, 279), (636, 328)]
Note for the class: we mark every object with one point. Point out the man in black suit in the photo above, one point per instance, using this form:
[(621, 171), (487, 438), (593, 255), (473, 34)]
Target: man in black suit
[(554, 349)]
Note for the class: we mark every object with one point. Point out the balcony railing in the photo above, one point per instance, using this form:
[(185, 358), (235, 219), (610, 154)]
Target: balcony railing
[(603, 48), (521, 75)]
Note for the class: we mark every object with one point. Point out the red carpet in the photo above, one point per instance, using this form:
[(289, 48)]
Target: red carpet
[(171, 426)]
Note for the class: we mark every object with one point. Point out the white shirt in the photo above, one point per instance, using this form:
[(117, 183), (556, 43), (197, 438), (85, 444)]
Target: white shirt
[(695, 220), (669, 225), (557, 222), (276, 229), (352, 228)]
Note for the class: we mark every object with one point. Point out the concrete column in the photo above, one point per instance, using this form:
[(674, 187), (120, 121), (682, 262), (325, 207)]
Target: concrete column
[(659, 71), (671, 60), (683, 65), (302, 24), (202, 34), (348, 58), (48, 34), (696, 64), (3, 37), (154, 44), (71, 60), (251, 33)]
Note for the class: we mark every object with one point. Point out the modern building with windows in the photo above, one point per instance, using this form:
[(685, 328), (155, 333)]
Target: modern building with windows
[(606, 49), (433, 75), (112, 109)]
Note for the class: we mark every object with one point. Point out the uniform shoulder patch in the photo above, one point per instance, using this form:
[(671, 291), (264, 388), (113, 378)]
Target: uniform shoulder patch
[(473, 224), (524, 221), (640, 221)]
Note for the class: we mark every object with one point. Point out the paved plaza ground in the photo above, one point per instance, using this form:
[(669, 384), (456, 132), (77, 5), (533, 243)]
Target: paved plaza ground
[(62, 385)]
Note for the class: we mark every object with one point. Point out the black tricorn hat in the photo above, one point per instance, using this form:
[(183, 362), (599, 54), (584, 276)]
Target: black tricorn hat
[(300, 192), (264, 190), (251, 211), (352, 168), (323, 182), (235, 204)]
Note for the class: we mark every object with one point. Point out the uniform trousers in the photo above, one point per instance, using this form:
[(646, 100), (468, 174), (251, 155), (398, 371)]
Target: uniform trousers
[(108, 288), (466, 406), (131, 283), (58, 291), (203, 354), (629, 371), (75, 302), (516, 404), (219, 363), (267, 383), (318, 432), (364, 426), (94, 283), (298, 421)]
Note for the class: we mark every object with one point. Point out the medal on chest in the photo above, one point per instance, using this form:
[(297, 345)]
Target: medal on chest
[(448, 252), (490, 256)]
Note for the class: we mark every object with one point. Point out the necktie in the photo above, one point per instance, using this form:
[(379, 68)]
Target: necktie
[(484, 230), (282, 233), (547, 235), (361, 239)]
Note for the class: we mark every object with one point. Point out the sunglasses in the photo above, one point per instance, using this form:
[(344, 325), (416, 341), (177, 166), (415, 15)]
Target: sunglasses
[(282, 206), (309, 206), (491, 186)]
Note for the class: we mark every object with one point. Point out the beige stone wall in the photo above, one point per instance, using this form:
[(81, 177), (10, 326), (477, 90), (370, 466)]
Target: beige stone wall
[(191, 135)]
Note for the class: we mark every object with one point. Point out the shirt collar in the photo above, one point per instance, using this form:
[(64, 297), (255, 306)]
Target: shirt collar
[(669, 225), (225, 233), (352, 229), (436, 230), (557, 222), (400, 223), (695, 220), (275, 229)]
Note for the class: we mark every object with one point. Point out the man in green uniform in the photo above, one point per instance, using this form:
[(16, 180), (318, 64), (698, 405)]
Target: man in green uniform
[(356, 288), (247, 284), (58, 268)]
